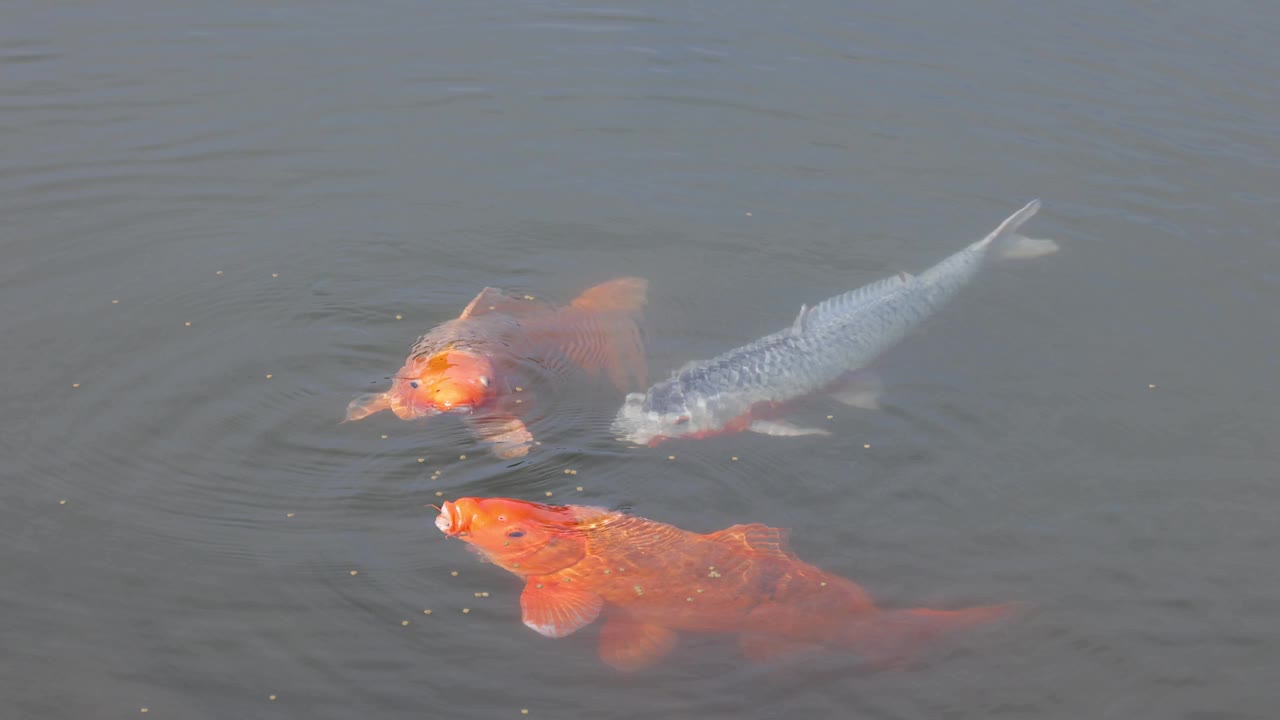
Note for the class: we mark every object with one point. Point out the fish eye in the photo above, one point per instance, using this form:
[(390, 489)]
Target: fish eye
[(515, 533), (413, 384)]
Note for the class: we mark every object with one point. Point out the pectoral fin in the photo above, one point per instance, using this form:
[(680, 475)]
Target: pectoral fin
[(557, 609), (508, 436), (628, 646), (861, 389), (366, 405), (783, 429)]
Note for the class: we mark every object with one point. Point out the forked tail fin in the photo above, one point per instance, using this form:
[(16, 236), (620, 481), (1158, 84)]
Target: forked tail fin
[(1007, 243), (891, 638)]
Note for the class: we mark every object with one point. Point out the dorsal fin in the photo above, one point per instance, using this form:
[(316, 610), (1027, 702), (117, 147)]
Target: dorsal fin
[(798, 327), (754, 537), (495, 300)]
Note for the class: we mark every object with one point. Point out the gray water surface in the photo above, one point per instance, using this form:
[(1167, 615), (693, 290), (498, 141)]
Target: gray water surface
[(312, 185)]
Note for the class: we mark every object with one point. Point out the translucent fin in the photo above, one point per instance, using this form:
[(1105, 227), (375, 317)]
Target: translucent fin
[(493, 300), (861, 389), (798, 327), (555, 609), (783, 429), (756, 538), (1007, 243), (508, 436), (624, 294), (366, 405), (890, 639), (628, 646), (599, 333)]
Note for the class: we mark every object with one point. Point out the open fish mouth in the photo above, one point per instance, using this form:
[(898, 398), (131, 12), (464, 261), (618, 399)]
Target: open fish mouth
[(449, 521)]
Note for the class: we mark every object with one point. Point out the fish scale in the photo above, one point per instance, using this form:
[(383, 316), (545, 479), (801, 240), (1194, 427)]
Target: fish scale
[(824, 344)]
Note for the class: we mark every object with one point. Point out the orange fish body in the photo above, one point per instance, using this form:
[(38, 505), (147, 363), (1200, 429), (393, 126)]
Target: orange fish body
[(651, 581), (491, 361)]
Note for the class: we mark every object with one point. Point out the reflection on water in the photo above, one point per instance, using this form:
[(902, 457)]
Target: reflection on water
[(223, 221)]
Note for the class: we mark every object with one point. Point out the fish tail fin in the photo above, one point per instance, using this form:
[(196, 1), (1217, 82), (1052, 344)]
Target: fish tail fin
[(609, 340), (624, 294), (890, 639), (623, 358), (1008, 243)]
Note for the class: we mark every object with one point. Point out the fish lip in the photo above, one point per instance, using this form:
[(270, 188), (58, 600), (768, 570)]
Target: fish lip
[(449, 521)]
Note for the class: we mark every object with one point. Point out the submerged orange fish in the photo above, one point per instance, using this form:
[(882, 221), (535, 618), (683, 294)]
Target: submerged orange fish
[(494, 358), (651, 581)]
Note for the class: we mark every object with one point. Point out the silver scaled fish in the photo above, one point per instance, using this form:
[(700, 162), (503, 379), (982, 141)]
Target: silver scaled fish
[(742, 389)]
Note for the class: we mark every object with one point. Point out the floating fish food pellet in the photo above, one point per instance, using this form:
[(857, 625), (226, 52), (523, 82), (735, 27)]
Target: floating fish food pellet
[(399, 317), (548, 493), (462, 457), (466, 610), (75, 385), (422, 460), (453, 573), (671, 457), (404, 623), (188, 323), (62, 502), (867, 445), (115, 302), (355, 572), (579, 488), (427, 611), (289, 515), (272, 698), (275, 275), (268, 376)]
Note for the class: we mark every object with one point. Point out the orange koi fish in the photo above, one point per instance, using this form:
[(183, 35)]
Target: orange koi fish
[(652, 581), (491, 361)]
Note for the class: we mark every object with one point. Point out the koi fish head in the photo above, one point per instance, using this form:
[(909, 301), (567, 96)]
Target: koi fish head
[(522, 537), (446, 381), (662, 413)]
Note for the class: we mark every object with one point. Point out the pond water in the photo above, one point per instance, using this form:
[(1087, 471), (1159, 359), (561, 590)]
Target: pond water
[(222, 221)]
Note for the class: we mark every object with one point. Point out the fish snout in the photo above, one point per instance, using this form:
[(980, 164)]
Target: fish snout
[(457, 517), (449, 521)]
